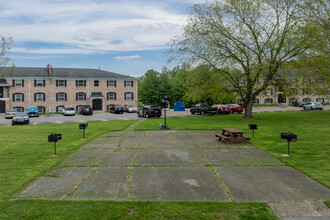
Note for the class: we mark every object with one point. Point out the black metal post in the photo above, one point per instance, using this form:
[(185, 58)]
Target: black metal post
[(288, 147), (54, 148), (252, 133), (165, 117), (83, 133)]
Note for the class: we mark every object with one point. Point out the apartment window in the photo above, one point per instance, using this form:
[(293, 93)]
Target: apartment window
[(18, 83), (39, 97), (128, 96), (81, 96), (269, 92), (19, 109), (292, 100), (269, 101), (96, 82), (41, 109), (39, 83), (18, 97), (320, 100), (306, 100), (80, 83), (256, 101), (61, 96), (128, 83), (111, 96), (61, 83), (111, 83), (59, 108)]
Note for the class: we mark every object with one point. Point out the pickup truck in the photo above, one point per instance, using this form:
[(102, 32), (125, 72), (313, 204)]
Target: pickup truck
[(203, 108)]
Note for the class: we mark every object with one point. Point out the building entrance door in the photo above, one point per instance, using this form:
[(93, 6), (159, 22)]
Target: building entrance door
[(97, 104), (2, 107), (281, 98)]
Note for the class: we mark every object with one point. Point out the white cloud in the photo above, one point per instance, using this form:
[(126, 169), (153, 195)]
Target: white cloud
[(84, 26), (126, 58)]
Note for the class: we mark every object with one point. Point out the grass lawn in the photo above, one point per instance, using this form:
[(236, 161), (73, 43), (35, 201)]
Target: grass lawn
[(310, 154), (25, 154)]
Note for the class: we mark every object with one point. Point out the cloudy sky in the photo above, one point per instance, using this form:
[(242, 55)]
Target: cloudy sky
[(123, 36)]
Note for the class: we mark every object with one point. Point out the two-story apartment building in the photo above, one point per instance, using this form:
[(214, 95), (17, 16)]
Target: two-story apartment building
[(53, 88)]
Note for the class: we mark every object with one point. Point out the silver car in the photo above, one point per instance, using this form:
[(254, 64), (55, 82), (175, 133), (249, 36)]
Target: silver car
[(20, 118), (313, 106), (130, 108), (68, 110), (10, 113)]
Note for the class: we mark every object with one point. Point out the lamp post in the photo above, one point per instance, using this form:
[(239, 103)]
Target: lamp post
[(164, 99)]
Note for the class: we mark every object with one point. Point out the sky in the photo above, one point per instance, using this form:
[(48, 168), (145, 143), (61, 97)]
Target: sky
[(122, 36)]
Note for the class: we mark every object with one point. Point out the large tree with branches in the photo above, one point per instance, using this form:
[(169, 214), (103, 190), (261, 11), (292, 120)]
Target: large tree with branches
[(255, 36), (5, 43)]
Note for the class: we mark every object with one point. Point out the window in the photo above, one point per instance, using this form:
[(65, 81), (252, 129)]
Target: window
[(269, 92), (59, 108), (18, 97), (96, 82), (320, 100), (81, 96), (128, 96), (256, 101), (128, 83), (268, 101), (61, 96), (292, 100), (41, 109), (111, 83), (39, 97), (19, 109), (307, 100), (61, 83), (18, 82), (111, 96), (39, 83), (80, 83)]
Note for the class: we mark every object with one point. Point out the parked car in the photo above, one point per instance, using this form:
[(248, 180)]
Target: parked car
[(235, 108), (203, 108), (222, 109), (20, 118), (298, 103), (68, 110), (86, 110), (32, 111), (10, 113), (116, 109), (313, 106), (148, 111), (130, 108)]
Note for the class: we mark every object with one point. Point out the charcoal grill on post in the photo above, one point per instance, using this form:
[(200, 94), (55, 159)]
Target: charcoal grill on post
[(253, 127), (83, 127), (54, 138), (289, 137)]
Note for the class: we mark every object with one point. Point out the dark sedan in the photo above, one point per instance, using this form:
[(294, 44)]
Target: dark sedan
[(116, 109), (20, 118), (148, 111), (86, 110)]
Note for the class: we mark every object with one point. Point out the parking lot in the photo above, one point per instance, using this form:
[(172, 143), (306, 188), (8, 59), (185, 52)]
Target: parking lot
[(105, 116)]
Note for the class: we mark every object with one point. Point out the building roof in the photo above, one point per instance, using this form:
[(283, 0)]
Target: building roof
[(43, 72)]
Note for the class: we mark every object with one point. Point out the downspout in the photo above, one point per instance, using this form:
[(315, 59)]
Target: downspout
[(29, 93)]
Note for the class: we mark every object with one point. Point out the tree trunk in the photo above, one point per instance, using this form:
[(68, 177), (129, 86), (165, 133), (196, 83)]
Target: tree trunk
[(248, 109)]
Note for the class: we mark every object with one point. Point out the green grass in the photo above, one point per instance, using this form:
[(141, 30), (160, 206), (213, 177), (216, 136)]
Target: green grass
[(31, 209), (25, 152), (310, 154)]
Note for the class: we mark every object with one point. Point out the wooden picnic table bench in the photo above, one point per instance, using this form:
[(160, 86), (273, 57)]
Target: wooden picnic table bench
[(232, 135)]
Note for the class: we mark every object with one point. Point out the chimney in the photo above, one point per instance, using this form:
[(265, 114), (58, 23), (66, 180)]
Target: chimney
[(49, 70)]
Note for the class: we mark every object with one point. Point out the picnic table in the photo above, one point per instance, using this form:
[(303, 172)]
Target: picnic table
[(232, 135)]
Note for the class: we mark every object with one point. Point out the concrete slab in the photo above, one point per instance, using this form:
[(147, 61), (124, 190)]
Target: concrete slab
[(165, 132), (105, 183), (114, 134), (56, 184), (169, 157), (119, 157), (131, 142), (176, 184), (106, 141), (87, 157), (270, 184), (239, 157), (202, 132), (160, 142)]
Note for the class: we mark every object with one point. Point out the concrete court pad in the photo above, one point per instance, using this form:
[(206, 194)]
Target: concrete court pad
[(131, 142), (57, 184), (165, 132), (120, 157), (176, 184), (87, 157), (169, 157), (246, 156), (270, 184), (114, 134), (105, 183), (107, 141)]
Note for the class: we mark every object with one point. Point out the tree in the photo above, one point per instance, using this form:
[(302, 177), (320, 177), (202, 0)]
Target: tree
[(4, 60), (255, 36), (203, 85)]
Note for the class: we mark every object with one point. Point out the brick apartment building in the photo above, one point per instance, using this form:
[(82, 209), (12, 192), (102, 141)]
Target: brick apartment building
[(53, 88)]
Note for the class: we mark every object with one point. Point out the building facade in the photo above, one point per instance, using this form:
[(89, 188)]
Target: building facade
[(50, 89)]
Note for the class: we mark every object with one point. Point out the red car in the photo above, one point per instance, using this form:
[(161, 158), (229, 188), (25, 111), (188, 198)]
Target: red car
[(222, 109), (235, 108)]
